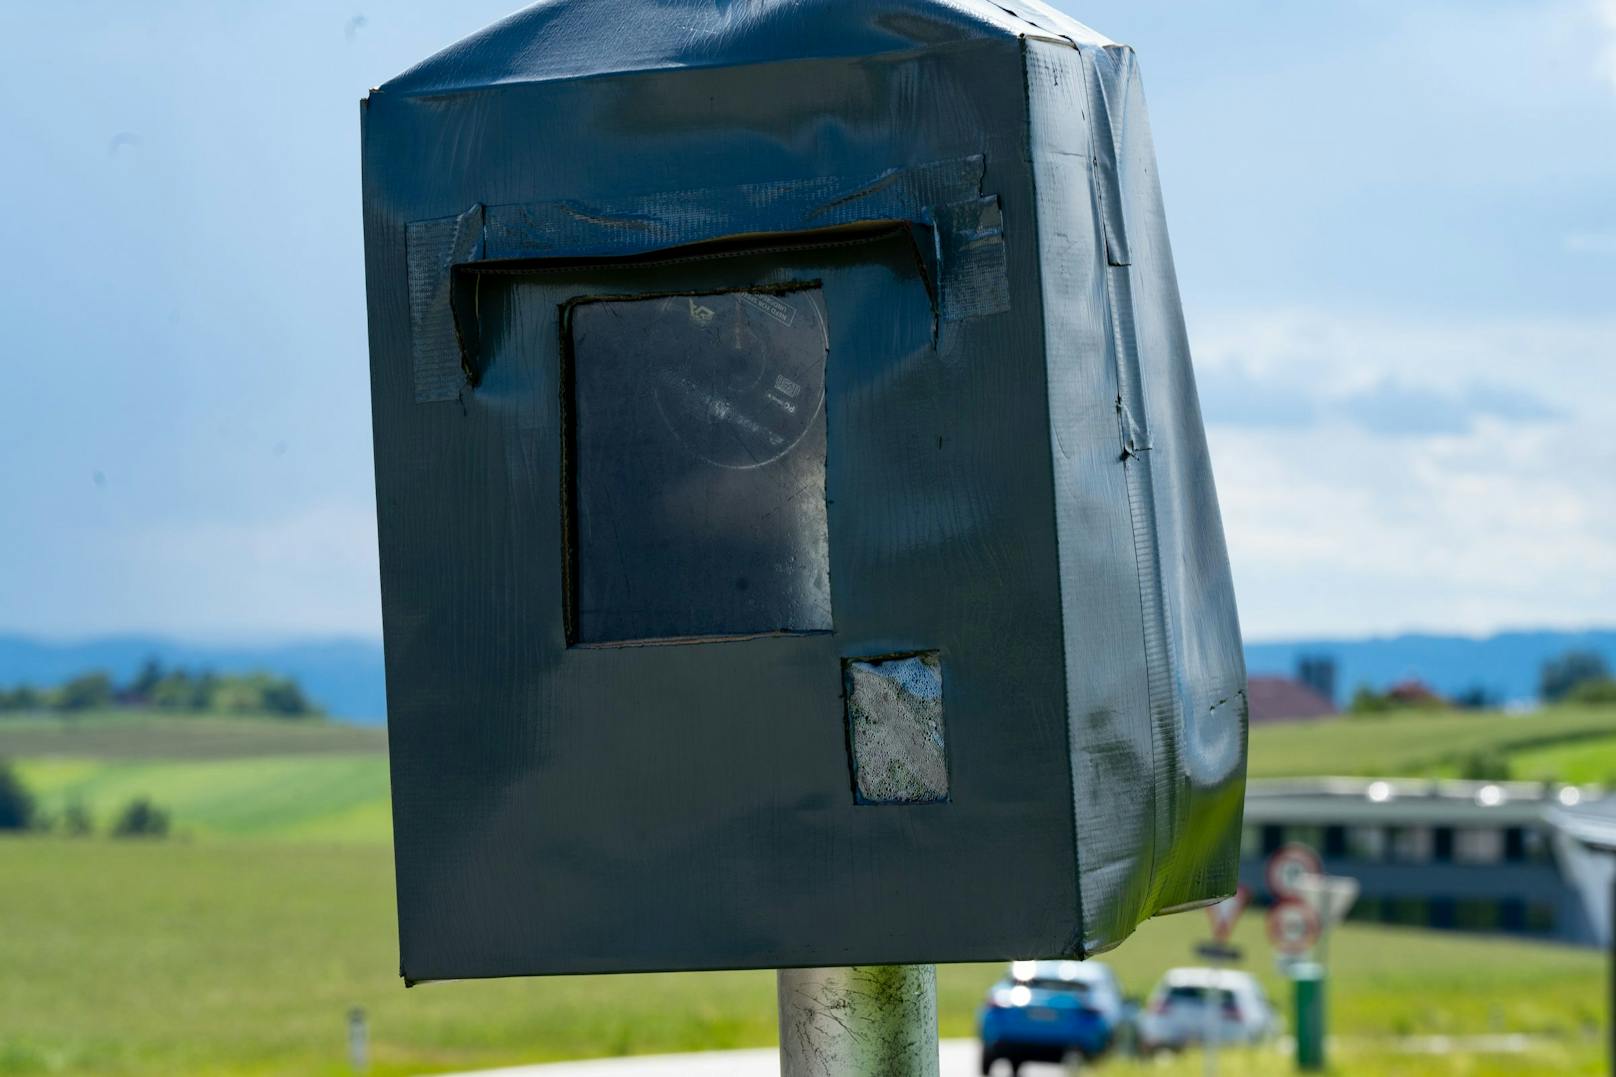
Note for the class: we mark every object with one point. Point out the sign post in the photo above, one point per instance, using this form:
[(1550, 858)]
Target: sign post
[(1308, 977), (1329, 897), (1293, 928), (864, 1019), (1224, 915), (1307, 904)]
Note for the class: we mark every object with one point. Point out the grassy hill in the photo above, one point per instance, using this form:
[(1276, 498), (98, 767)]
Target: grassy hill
[(219, 778), (329, 797), (1575, 744)]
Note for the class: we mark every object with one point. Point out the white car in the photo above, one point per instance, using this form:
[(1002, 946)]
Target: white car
[(1177, 1016)]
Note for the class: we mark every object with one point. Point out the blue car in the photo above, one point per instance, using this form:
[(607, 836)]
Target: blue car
[(1045, 1010)]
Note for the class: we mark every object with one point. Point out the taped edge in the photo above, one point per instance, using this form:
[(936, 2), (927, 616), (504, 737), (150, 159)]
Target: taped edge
[(945, 196)]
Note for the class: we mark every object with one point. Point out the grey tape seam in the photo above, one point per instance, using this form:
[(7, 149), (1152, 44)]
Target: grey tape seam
[(1134, 435), (946, 196)]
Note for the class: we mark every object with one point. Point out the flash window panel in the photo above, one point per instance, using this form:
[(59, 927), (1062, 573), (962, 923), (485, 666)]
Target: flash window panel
[(696, 466)]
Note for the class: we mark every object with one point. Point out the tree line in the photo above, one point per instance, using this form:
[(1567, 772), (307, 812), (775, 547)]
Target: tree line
[(139, 818), (157, 687), (1575, 677)]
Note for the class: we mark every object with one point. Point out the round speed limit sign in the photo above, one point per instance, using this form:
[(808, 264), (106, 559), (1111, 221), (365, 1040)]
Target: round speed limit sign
[(1288, 864), (1293, 926)]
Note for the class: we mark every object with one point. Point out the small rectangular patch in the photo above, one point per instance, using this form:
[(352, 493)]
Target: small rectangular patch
[(970, 248), (895, 728)]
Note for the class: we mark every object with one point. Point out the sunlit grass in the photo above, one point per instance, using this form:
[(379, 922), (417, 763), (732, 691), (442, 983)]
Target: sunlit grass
[(1434, 743), (239, 945), (244, 957), (329, 797)]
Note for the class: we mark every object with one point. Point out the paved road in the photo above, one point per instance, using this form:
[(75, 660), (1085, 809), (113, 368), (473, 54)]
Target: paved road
[(959, 1058)]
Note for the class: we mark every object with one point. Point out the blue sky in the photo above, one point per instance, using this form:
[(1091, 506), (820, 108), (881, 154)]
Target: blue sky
[(1395, 226)]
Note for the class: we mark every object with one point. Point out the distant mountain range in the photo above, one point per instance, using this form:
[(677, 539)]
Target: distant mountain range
[(342, 675), (345, 675), (1505, 665)]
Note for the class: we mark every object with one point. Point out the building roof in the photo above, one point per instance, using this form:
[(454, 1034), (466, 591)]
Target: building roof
[(1592, 822), (1271, 699), (560, 39), (1412, 801), (1413, 691)]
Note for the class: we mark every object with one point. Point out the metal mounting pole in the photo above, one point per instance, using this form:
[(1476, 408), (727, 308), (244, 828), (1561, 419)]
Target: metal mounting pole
[(860, 1021)]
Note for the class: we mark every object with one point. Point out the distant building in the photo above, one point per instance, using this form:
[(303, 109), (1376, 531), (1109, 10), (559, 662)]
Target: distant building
[(1519, 858), (1414, 693), (1317, 671), (1273, 699), (1585, 847)]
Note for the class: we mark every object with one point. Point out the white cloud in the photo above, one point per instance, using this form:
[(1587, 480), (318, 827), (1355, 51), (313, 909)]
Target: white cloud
[(1604, 12), (1336, 528)]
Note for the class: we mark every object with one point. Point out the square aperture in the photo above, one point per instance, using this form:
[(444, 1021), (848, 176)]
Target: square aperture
[(695, 466)]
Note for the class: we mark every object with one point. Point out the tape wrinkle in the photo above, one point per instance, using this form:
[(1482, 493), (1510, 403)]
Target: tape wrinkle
[(1108, 108), (1135, 437)]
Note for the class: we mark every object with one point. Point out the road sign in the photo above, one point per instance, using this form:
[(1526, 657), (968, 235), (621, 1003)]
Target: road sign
[(1293, 926), (1226, 912), (1331, 896), (1288, 864)]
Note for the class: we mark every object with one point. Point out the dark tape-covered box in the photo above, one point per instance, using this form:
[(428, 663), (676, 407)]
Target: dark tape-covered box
[(798, 541)]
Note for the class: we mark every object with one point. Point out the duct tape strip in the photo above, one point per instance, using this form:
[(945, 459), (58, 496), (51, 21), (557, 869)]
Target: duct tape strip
[(1111, 74), (432, 250), (945, 195), (1108, 72)]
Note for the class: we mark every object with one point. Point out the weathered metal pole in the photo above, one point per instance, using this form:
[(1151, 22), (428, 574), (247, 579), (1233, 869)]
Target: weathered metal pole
[(861, 1021)]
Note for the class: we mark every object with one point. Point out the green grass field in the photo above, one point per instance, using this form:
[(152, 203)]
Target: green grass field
[(238, 945), (229, 778), (166, 957), (219, 778), (1580, 762), (330, 797), (123, 735), (1564, 743)]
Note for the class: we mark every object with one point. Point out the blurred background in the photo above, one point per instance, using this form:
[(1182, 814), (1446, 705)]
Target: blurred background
[(1395, 233)]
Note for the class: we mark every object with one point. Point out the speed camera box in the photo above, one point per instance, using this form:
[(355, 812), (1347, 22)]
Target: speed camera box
[(798, 543)]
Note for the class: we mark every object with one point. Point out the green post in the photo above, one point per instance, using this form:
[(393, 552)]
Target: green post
[(1309, 979)]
